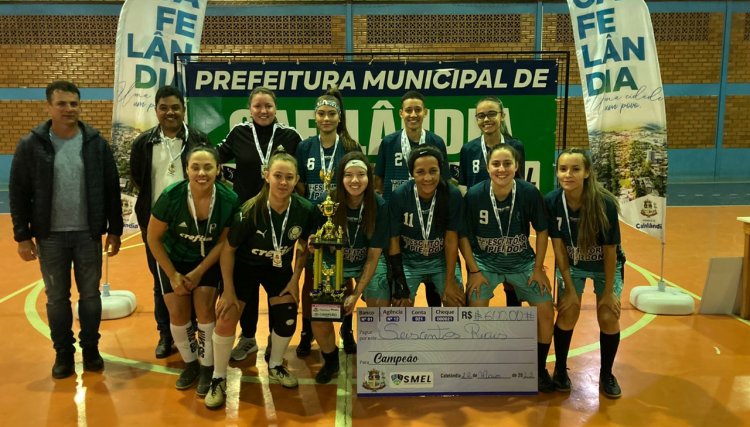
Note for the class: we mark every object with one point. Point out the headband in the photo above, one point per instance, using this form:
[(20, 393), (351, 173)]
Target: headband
[(355, 163), (329, 103)]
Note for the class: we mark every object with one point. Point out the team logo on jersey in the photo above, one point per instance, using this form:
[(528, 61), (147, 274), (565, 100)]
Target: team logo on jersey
[(183, 224), (294, 232)]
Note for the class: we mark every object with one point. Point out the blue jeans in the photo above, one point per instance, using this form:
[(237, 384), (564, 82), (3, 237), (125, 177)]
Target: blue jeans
[(56, 253)]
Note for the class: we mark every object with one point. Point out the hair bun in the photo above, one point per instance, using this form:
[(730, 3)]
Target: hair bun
[(279, 149)]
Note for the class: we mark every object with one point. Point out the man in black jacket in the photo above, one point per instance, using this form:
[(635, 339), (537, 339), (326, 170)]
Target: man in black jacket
[(64, 195), (158, 158)]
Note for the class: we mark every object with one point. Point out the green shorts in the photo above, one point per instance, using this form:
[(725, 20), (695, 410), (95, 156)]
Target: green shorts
[(579, 280), (531, 294), (378, 288), (415, 276)]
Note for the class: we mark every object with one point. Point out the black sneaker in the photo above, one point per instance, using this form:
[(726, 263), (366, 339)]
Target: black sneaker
[(189, 375), (305, 345), (326, 373), (609, 386), (165, 347), (350, 345), (204, 380), (561, 381), (545, 382), (64, 366), (92, 360)]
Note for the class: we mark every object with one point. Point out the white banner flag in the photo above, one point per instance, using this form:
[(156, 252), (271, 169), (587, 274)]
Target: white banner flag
[(149, 33), (624, 102)]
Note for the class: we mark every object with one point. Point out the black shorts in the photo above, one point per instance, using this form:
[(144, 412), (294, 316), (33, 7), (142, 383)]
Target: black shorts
[(248, 278), (211, 278)]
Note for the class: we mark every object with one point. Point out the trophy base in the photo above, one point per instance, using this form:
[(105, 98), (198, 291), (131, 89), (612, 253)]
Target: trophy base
[(327, 311)]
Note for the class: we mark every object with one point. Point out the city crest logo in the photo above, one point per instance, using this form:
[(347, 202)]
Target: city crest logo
[(374, 381), (649, 209)]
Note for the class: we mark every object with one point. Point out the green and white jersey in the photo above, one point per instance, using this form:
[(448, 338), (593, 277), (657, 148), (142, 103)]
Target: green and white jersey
[(182, 239), (509, 250), (254, 241), (427, 255), (392, 165), (355, 251), (565, 227)]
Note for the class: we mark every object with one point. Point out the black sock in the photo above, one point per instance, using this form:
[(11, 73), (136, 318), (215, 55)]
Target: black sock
[(332, 358), (562, 346), (542, 352), (346, 325), (306, 327), (609, 344)]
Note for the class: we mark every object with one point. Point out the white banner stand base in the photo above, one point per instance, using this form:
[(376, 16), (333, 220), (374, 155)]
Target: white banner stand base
[(652, 300), (115, 304)]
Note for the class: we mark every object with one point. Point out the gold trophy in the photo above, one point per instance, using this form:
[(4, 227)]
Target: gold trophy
[(328, 293)]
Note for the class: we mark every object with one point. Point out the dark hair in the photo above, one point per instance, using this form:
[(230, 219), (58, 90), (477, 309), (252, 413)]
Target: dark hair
[(333, 94), (369, 213), (167, 91), (496, 100), (593, 212), (63, 86), (261, 90), (506, 147), (255, 206), (207, 148), (442, 196), (412, 94)]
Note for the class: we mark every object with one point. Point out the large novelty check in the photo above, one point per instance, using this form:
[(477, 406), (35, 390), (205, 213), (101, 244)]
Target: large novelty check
[(445, 351)]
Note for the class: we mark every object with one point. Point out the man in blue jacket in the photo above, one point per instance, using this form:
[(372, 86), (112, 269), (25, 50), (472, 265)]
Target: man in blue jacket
[(64, 195)]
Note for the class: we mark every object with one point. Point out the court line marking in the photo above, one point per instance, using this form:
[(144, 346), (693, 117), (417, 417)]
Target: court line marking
[(344, 393)]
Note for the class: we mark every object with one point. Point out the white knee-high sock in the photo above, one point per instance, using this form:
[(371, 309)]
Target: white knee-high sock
[(184, 340), (278, 348), (205, 343), (222, 348)]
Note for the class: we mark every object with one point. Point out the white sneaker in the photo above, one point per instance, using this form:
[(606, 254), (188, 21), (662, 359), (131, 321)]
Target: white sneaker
[(217, 393), (243, 347), (282, 376)]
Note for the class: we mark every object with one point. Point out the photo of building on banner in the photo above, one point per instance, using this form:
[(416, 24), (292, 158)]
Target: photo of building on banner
[(627, 124), (624, 103), (217, 96), (149, 33)]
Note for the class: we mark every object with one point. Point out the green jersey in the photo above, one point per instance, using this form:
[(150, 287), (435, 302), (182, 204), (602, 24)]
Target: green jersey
[(185, 236)]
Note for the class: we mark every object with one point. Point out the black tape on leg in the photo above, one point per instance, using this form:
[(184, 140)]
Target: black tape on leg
[(284, 319)]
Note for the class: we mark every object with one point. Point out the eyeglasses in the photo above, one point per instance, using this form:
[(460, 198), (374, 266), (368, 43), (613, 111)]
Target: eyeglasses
[(487, 115)]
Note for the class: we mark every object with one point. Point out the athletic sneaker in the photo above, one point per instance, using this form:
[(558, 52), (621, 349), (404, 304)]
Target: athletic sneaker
[(326, 373), (281, 375), (217, 393), (244, 347), (546, 385), (609, 386), (189, 375), (561, 380), (204, 380)]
